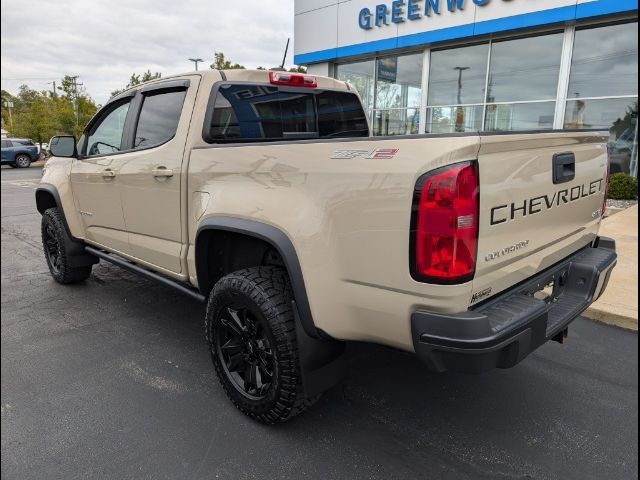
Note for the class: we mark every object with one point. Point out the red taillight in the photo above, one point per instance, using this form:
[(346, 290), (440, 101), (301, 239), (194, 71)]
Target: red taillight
[(293, 79), (607, 172), (445, 225)]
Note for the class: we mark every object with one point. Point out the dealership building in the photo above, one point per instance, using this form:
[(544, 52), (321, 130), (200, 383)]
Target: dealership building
[(440, 66)]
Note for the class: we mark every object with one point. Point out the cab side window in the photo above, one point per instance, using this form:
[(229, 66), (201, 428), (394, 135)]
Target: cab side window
[(6, 144), (159, 117), (105, 136)]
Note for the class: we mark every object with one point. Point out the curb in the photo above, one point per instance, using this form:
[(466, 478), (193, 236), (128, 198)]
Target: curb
[(621, 321)]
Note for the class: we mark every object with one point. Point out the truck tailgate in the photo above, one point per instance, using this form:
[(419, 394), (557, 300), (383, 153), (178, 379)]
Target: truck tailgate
[(529, 219)]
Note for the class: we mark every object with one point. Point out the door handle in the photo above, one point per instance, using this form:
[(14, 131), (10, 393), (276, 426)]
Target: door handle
[(564, 167), (108, 173), (162, 172)]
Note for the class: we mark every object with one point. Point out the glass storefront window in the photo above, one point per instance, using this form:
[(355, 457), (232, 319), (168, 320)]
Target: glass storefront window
[(458, 75), (361, 75), (617, 115), (454, 119), (525, 69), (399, 121), (515, 77), (511, 85), (399, 82), (605, 62), (520, 116)]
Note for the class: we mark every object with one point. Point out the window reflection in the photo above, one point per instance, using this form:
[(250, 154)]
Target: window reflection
[(605, 62), (617, 115), (399, 82), (360, 75), (396, 122), (525, 69), (520, 116), (454, 119), (458, 75)]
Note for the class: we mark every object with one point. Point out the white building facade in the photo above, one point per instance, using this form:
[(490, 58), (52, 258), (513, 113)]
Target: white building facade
[(440, 66)]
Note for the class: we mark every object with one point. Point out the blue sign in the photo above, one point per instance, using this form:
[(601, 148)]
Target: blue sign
[(388, 69), (399, 11)]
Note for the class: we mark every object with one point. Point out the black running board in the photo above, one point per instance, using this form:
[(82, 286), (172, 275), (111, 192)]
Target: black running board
[(143, 272)]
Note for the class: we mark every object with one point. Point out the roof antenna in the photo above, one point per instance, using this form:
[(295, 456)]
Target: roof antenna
[(284, 59), (286, 50)]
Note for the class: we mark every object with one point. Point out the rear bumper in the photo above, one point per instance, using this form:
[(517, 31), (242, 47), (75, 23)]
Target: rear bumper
[(503, 331)]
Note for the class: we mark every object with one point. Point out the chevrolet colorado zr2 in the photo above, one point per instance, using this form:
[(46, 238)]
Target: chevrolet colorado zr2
[(263, 194)]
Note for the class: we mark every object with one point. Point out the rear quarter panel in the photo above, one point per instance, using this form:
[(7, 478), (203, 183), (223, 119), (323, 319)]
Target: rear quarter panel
[(348, 218)]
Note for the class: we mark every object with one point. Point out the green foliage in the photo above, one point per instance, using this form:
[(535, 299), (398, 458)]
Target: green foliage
[(137, 79), (623, 187), (627, 122), (298, 70), (41, 115), (221, 63)]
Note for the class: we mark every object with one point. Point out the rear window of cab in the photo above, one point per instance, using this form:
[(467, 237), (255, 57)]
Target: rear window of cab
[(251, 113)]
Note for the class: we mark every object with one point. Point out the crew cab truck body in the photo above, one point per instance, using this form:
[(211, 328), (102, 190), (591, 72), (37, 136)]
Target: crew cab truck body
[(263, 194)]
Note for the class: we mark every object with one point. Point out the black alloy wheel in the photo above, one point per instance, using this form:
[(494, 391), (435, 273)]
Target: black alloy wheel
[(55, 244), (245, 350), (251, 331), (52, 248)]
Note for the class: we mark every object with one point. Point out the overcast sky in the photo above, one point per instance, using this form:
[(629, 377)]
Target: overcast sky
[(105, 41)]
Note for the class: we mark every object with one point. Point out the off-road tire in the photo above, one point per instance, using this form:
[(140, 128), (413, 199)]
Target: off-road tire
[(54, 241), (266, 294), (22, 161)]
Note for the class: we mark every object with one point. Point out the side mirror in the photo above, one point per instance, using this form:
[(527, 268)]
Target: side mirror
[(63, 146)]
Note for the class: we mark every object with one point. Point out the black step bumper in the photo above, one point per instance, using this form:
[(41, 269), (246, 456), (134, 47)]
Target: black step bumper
[(503, 331)]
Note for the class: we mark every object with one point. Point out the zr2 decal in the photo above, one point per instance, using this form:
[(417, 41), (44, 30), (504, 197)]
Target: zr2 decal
[(378, 154)]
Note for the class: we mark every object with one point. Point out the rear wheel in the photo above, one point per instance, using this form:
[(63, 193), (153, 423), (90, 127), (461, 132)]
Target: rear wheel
[(55, 251), (251, 332), (23, 161)]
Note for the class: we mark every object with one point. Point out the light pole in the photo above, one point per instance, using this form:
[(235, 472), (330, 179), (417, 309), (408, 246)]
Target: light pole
[(9, 106), (460, 70), (196, 61), (460, 110), (53, 93)]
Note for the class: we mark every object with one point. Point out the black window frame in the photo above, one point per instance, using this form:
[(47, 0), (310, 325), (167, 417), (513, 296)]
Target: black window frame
[(136, 99), (99, 117), (286, 138), (149, 91)]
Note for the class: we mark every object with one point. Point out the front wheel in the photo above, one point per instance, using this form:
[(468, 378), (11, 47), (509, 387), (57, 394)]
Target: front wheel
[(250, 328), (54, 235), (23, 161)]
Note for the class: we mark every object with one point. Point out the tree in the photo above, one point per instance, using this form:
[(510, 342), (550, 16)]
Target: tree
[(36, 119), (298, 69), (39, 116), (137, 79), (221, 63)]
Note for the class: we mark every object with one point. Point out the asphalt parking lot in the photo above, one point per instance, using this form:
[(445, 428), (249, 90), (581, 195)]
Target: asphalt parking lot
[(112, 379)]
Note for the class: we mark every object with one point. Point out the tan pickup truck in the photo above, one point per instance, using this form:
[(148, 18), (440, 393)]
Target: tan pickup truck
[(264, 195)]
